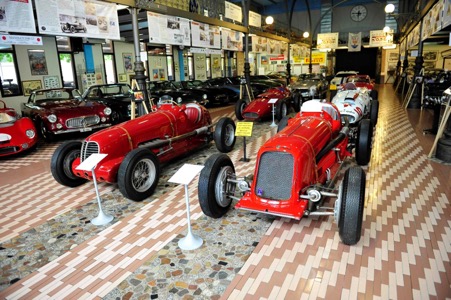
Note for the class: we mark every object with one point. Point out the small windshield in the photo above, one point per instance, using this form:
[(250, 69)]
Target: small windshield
[(7, 117), (55, 95), (313, 76)]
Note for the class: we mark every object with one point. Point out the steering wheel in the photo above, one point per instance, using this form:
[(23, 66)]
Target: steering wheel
[(166, 99)]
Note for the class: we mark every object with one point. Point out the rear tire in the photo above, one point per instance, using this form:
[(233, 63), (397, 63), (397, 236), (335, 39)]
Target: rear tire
[(213, 188), (297, 101), (61, 164), (374, 111), (282, 124), (138, 174), (281, 109), (374, 94), (224, 135), (349, 205), (240, 105), (363, 144)]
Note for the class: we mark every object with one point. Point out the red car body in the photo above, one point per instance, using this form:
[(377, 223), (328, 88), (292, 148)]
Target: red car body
[(16, 134), (359, 81), (136, 148), (260, 108), (62, 110), (294, 173)]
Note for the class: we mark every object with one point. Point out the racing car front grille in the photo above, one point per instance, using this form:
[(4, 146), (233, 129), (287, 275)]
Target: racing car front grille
[(275, 175), (250, 115), (88, 148), (8, 150), (82, 121)]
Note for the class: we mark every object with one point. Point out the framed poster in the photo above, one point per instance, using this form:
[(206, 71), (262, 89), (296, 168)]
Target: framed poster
[(38, 63), (30, 85), (51, 82), (123, 77), (128, 66)]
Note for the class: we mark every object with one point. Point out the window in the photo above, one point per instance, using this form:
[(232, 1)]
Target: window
[(67, 69), (8, 74), (110, 70)]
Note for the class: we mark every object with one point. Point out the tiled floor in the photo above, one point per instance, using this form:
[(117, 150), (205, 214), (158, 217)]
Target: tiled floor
[(404, 252)]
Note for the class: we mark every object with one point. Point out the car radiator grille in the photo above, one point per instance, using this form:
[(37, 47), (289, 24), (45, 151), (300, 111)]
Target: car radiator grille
[(82, 121), (7, 150), (275, 176), (250, 115), (88, 148)]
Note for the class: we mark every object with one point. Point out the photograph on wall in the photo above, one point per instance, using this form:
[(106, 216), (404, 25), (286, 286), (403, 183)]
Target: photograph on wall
[(155, 73), (161, 74), (38, 64), (128, 65), (51, 82), (29, 86), (123, 77), (430, 55)]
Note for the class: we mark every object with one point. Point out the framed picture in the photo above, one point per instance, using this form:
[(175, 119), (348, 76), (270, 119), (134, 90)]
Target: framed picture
[(30, 85), (123, 77), (128, 66), (38, 63), (430, 55), (51, 82)]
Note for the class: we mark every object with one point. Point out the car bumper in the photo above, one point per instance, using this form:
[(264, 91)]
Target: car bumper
[(84, 129)]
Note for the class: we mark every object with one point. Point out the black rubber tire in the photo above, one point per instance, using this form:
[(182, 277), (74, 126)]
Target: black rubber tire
[(281, 109), (224, 135), (443, 151), (116, 117), (61, 164), (297, 101), (216, 165), (133, 168), (240, 105), (363, 144), (72, 29), (374, 94), (374, 111), (352, 202), (45, 134), (282, 123)]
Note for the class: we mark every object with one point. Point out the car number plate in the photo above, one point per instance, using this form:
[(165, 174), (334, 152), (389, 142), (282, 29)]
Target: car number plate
[(86, 129)]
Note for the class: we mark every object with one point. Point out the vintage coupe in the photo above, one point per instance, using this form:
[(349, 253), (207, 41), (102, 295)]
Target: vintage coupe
[(136, 148), (16, 134), (358, 109), (117, 96), (295, 172), (63, 110), (260, 108), (308, 87)]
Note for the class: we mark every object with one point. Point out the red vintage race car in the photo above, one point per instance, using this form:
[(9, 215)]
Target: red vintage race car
[(136, 148), (16, 134), (260, 108), (295, 171), (63, 110), (360, 81)]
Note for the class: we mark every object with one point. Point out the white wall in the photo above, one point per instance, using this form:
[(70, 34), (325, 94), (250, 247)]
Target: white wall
[(119, 49)]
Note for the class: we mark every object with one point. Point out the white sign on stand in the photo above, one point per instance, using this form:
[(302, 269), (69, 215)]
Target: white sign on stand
[(184, 176), (89, 165), (273, 101)]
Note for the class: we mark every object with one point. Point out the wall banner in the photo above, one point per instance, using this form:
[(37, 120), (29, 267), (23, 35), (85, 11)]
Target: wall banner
[(204, 35), (327, 40), (168, 29), (17, 16)]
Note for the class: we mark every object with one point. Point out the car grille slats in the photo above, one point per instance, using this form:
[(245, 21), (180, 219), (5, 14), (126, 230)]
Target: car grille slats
[(250, 115), (275, 176), (88, 148), (82, 121)]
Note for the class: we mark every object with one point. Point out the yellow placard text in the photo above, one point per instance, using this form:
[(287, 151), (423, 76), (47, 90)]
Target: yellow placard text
[(244, 128)]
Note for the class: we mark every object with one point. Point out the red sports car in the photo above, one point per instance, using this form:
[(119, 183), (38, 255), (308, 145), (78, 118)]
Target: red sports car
[(260, 108), (295, 172), (63, 110), (16, 134), (136, 148)]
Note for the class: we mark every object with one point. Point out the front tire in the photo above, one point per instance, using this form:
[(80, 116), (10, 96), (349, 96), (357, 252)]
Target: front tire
[(349, 205), (363, 144), (224, 135), (281, 109), (45, 133), (213, 188), (240, 105), (138, 174), (297, 101), (374, 94), (61, 164)]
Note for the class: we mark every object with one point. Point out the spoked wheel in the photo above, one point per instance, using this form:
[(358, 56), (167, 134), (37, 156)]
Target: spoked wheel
[(281, 109), (224, 135), (349, 205), (138, 174), (214, 189), (363, 145), (240, 105), (61, 164)]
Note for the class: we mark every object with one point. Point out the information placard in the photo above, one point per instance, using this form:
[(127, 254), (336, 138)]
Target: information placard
[(244, 128)]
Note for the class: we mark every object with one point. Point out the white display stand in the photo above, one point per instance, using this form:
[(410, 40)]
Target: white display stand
[(89, 165), (184, 176), (272, 101)]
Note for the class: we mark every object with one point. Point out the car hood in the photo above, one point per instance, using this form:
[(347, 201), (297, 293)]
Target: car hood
[(304, 84)]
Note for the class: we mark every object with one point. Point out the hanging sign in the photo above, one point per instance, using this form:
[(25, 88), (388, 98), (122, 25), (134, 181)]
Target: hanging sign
[(17, 16), (10, 39)]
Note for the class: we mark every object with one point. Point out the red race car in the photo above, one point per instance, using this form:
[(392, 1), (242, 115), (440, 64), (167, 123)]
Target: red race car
[(136, 148), (16, 134), (295, 172), (360, 82), (260, 108), (62, 110)]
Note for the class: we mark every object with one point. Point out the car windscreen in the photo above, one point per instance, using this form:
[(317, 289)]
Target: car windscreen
[(7, 117), (53, 95)]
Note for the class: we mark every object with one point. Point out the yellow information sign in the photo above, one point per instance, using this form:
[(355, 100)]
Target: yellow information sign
[(244, 128)]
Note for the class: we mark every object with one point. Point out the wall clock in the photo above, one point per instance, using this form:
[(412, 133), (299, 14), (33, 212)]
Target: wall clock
[(358, 13)]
